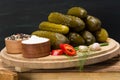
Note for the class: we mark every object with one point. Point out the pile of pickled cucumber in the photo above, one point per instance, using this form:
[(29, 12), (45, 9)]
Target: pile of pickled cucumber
[(76, 27)]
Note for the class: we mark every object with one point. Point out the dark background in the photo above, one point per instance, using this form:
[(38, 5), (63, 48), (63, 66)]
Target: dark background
[(24, 16)]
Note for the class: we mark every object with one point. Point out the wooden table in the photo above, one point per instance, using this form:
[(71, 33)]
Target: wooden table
[(108, 70)]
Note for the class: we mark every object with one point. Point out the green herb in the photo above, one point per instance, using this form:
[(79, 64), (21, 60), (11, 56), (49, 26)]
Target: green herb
[(85, 55), (104, 44), (83, 60), (76, 48)]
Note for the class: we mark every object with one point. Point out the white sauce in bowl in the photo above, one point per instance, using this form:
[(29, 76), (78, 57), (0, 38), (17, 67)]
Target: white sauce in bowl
[(35, 40)]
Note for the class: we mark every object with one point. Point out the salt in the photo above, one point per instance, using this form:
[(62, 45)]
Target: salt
[(35, 40)]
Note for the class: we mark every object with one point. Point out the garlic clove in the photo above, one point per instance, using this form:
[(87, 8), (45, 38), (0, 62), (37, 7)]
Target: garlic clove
[(95, 47), (83, 48)]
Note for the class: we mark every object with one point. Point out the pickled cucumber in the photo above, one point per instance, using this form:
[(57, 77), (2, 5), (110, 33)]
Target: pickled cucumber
[(75, 28), (93, 23), (55, 38), (101, 35), (88, 37), (75, 39), (70, 21), (48, 26), (77, 11)]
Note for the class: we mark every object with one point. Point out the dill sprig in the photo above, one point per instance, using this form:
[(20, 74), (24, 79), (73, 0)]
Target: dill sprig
[(104, 44), (83, 59)]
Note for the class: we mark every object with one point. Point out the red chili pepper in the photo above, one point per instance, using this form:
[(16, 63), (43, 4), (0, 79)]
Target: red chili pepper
[(57, 52), (68, 49)]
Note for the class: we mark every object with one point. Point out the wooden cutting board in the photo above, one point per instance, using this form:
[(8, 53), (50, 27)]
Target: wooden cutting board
[(58, 62)]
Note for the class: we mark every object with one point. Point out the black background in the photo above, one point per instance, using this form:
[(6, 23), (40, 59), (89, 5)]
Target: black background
[(24, 16)]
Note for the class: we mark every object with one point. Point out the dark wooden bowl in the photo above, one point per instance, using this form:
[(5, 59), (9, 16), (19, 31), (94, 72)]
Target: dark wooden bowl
[(36, 50)]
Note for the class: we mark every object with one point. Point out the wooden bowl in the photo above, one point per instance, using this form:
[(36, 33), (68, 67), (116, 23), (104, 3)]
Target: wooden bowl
[(13, 46), (36, 50)]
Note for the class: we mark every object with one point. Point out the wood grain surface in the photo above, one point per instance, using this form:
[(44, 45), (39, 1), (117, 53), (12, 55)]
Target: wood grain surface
[(107, 70), (70, 76), (111, 65), (6, 74)]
